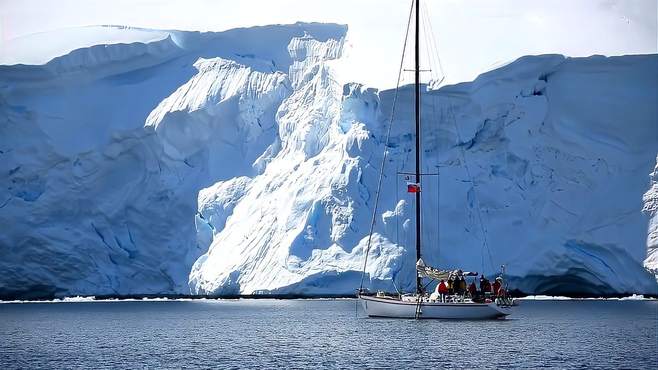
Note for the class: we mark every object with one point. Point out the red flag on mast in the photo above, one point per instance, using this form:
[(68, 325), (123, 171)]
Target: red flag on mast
[(413, 188)]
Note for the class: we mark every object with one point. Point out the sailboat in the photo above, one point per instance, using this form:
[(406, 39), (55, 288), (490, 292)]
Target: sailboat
[(419, 305)]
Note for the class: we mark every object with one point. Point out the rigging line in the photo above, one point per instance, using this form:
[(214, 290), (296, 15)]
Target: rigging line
[(438, 182), (428, 284), (388, 137), (397, 217), (397, 223), (427, 32), (477, 201), (483, 228), (413, 173), (427, 35), (437, 76), (438, 214), (423, 25), (434, 43), (396, 287)]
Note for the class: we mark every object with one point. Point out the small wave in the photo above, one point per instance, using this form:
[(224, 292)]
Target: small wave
[(58, 300), (544, 298), (80, 299)]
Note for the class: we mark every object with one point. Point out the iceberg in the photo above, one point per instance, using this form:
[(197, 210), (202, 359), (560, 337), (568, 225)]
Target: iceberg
[(240, 162), (551, 153), (97, 200)]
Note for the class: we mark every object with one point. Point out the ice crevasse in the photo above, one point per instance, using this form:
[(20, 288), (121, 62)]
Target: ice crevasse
[(246, 165)]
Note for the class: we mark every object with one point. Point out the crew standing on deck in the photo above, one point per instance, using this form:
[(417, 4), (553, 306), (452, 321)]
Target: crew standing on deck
[(485, 285), (462, 286), (496, 286), (472, 289), (443, 290)]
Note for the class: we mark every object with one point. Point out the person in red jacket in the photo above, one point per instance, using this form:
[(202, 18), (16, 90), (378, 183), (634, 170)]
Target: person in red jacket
[(442, 289), (501, 291), (496, 285)]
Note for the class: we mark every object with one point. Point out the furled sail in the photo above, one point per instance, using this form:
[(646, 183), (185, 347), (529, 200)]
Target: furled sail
[(434, 273)]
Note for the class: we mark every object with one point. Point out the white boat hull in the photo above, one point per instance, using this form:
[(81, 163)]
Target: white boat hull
[(384, 307)]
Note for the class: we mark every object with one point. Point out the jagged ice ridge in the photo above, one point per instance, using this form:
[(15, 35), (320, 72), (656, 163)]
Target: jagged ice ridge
[(240, 163)]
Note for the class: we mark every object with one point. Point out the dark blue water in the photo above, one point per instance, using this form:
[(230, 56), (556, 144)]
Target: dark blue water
[(322, 333)]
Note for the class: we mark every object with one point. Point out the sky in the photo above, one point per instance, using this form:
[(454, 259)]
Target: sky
[(472, 36)]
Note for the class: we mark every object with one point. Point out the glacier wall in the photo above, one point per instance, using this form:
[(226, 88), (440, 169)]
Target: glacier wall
[(239, 162), (651, 209), (98, 198), (553, 151)]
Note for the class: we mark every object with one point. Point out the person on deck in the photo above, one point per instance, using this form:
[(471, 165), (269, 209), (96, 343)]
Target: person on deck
[(501, 291), (485, 285), (479, 295), (496, 285), (442, 289), (472, 289), (462, 286), (451, 285)]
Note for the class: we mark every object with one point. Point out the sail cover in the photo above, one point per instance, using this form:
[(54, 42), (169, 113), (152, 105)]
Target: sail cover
[(434, 273)]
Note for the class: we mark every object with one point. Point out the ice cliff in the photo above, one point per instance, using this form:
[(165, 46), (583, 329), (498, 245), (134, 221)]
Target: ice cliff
[(239, 162), (99, 186), (553, 151), (651, 209)]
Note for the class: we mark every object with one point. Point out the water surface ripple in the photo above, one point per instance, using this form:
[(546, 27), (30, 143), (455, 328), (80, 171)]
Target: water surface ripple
[(323, 334)]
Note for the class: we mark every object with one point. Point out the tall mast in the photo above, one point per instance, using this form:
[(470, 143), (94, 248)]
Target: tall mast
[(417, 85)]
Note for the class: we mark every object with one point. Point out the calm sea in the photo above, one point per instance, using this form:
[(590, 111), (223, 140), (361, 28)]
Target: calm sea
[(322, 334)]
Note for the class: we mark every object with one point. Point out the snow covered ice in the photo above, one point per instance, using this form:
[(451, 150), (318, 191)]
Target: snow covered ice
[(651, 209), (241, 162), (560, 164)]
